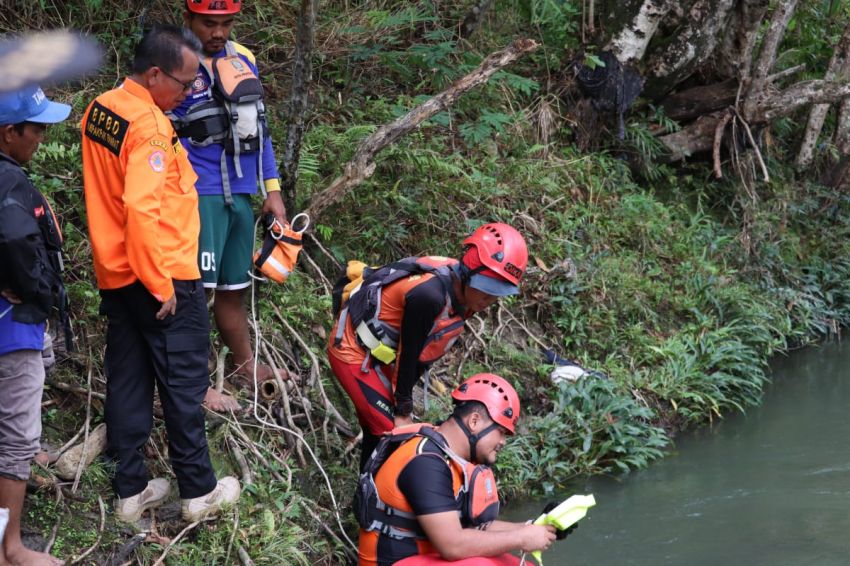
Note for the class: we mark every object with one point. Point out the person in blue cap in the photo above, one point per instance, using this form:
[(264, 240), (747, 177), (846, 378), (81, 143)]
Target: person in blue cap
[(30, 285)]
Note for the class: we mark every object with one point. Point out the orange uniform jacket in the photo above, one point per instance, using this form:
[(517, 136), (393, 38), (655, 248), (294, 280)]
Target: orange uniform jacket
[(140, 194)]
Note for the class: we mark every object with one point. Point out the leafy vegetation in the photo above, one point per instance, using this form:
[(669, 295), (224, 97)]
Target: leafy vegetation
[(674, 288)]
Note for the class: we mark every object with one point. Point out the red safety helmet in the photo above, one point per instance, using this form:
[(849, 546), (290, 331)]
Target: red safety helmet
[(214, 7), (496, 256), (495, 393)]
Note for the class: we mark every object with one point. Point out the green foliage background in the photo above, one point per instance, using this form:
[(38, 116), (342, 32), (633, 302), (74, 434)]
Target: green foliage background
[(675, 288)]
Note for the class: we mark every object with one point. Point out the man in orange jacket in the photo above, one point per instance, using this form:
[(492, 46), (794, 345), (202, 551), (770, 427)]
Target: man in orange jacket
[(407, 315), (143, 221)]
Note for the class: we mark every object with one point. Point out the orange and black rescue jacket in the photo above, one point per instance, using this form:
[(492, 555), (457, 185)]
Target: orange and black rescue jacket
[(384, 511), (377, 308)]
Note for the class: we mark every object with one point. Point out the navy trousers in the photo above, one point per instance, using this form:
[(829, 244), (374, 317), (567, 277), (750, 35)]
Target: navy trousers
[(171, 355)]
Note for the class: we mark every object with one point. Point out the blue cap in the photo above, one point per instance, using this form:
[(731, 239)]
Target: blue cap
[(31, 105), (496, 287), (492, 286)]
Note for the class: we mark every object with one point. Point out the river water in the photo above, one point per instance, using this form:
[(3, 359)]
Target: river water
[(771, 487)]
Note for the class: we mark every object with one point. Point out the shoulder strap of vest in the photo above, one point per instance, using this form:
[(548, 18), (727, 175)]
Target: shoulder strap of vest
[(207, 62), (440, 442)]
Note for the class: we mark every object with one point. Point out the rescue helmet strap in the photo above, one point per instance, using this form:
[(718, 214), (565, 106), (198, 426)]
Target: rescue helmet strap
[(474, 438)]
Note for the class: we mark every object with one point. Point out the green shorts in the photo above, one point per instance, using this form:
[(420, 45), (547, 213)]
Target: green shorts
[(227, 241)]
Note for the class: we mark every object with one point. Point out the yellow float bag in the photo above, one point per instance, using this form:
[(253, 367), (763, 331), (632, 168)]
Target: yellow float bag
[(281, 245), (348, 281)]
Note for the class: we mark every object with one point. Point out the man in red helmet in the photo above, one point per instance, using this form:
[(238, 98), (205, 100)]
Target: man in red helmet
[(222, 125), (406, 315), (434, 494)]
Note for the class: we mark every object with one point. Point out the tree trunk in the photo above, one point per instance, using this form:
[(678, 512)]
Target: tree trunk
[(695, 138), (302, 71), (691, 46), (699, 135), (839, 66), (694, 102), (755, 91), (362, 164), (842, 128), (733, 57), (614, 15), (630, 42)]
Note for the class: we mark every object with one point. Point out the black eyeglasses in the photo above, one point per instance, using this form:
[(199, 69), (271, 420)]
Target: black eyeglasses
[(186, 86)]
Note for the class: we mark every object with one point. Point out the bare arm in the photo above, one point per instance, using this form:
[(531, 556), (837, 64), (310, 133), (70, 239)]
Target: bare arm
[(504, 526), (454, 542)]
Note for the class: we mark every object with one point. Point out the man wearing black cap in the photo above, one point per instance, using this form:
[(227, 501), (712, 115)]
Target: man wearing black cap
[(30, 282)]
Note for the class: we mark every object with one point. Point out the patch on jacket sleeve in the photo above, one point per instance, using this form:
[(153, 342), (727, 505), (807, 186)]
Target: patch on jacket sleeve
[(106, 128), (157, 161)]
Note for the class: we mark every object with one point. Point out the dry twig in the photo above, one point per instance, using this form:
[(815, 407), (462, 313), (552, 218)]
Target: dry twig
[(755, 147), (161, 560), (239, 456)]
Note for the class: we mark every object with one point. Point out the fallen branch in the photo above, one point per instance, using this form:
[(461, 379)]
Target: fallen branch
[(329, 530), (322, 278), (528, 332), (232, 534), (799, 95), (755, 147), (362, 164), (314, 373), (253, 447), (72, 441), (324, 251), (285, 404), (786, 73), (699, 135)]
